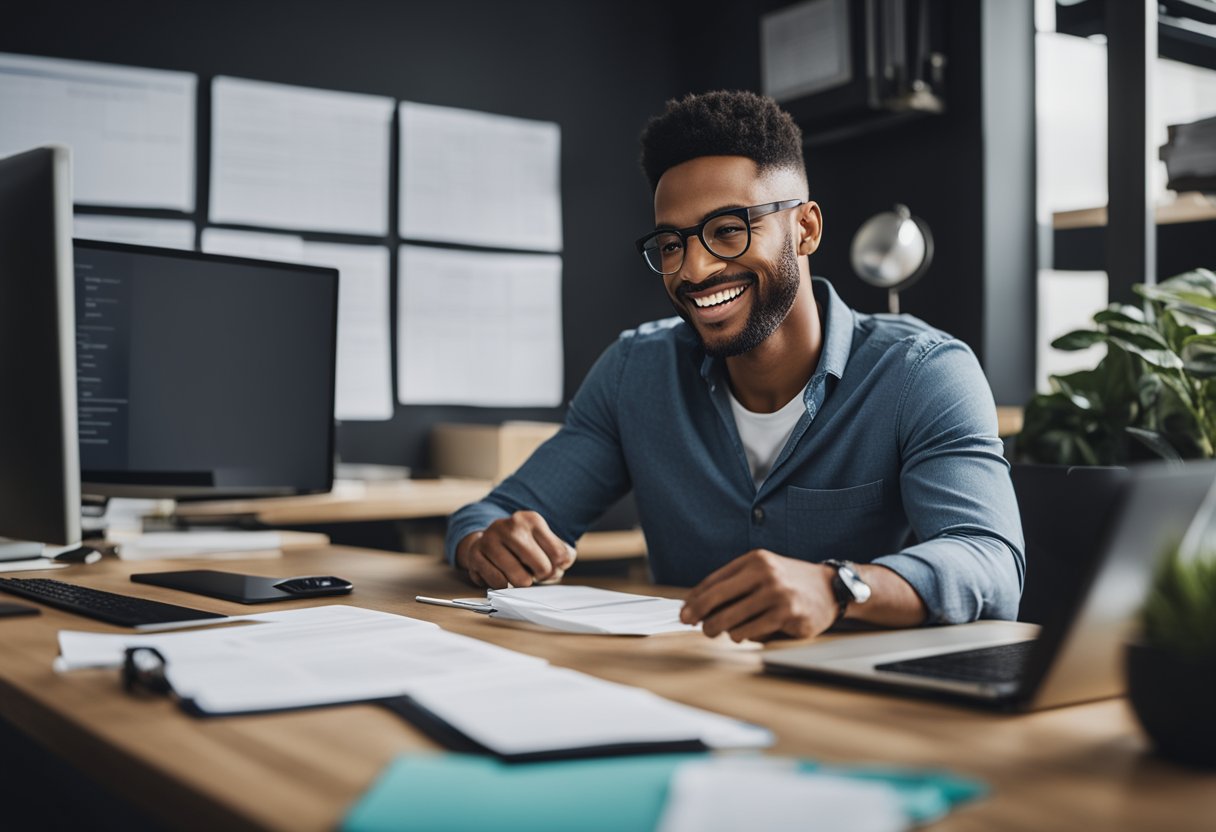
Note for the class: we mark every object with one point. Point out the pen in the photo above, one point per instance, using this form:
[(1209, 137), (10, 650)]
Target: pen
[(458, 603)]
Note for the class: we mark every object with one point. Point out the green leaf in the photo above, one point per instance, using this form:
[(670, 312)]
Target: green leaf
[(1142, 334), (1199, 355), (1200, 281), (1079, 339), (1120, 312), (1156, 443)]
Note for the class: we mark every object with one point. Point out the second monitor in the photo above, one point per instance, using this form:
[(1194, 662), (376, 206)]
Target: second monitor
[(201, 375)]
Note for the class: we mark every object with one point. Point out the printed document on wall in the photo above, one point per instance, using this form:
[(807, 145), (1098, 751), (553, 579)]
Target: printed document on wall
[(299, 158), (480, 179), (477, 328), (364, 377), (140, 231), (131, 130)]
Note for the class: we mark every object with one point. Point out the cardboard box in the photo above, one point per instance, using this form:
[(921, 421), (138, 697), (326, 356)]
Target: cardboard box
[(487, 452)]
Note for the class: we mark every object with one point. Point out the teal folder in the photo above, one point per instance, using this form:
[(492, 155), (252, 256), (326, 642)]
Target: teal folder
[(459, 792)]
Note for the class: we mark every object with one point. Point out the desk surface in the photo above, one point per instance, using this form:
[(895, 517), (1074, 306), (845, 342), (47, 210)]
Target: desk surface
[(351, 501), (1071, 768)]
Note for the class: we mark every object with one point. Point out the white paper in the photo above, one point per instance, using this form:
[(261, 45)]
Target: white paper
[(549, 709), (141, 231), (79, 649), (479, 179), (31, 565), (761, 793), (300, 658), (364, 377), (189, 544), (131, 131), (584, 609), (293, 157), (479, 329)]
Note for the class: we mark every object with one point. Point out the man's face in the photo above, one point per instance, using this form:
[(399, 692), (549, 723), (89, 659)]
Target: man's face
[(733, 305)]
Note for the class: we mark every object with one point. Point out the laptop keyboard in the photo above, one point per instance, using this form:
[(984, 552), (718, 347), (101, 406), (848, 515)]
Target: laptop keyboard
[(1003, 663)]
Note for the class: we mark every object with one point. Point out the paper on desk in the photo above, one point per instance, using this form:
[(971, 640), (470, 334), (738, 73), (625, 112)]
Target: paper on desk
[(292, 157), (189, 544), (78, 649), (584, 609), (364, 378), (478, 328), (131, 130), (302, 658), (480, 179), (761, 793), (31, 565), (548, 708), (141, 231)]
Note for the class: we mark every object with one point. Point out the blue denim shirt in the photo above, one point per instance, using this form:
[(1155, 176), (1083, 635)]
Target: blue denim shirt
[(898, 445)]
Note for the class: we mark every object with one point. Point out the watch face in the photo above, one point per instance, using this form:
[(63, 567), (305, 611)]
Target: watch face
[(852, 582)]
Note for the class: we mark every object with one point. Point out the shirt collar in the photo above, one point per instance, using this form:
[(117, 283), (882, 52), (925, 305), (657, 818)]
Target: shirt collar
[(837, 334)]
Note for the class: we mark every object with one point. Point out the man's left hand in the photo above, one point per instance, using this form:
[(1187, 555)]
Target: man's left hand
[(761, 595)]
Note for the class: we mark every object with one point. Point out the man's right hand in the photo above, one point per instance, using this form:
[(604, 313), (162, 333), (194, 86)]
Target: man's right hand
[(519, 550)]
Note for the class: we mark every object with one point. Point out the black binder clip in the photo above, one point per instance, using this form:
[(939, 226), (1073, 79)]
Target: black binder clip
[(143, 671)]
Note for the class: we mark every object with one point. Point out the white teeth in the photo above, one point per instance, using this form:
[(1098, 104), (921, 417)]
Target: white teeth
[(719, 297)]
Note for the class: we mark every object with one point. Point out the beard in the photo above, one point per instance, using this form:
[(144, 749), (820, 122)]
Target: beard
[(769, 308)]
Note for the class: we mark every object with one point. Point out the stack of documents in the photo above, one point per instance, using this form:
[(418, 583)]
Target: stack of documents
[(584, 609), (512, 704)]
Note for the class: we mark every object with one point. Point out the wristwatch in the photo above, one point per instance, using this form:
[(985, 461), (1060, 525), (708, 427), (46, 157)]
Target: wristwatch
[(847, 586)]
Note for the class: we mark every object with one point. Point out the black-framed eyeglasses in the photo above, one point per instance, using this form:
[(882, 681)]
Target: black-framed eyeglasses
[(726, 234)]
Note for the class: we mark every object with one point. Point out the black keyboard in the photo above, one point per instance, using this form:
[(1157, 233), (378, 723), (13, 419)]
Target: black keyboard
[(1003, 663), (104, 606)]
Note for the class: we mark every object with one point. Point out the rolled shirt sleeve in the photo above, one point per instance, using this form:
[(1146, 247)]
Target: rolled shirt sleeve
[(957, 494)]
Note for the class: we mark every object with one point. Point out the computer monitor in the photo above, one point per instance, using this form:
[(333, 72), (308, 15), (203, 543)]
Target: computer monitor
[(39, 466), (203, 376)]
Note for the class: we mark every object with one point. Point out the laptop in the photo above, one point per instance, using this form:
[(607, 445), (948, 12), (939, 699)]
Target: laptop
[(1074, 656)]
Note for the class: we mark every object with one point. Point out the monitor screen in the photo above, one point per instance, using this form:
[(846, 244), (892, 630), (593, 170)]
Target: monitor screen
[(201, 375), (39, 477)]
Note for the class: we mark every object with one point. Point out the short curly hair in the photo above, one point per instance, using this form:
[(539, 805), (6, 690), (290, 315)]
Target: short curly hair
[(721, 123)]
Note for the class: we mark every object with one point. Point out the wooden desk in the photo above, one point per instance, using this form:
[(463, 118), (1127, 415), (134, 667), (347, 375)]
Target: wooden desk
[(352, 502), (1083, 767)]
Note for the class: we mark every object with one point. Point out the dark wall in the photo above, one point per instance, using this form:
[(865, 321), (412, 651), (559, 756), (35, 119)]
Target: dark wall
[(597, 69)]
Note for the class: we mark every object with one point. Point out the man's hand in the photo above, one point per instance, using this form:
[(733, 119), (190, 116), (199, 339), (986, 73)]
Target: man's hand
[(520, 550), (761, 595)]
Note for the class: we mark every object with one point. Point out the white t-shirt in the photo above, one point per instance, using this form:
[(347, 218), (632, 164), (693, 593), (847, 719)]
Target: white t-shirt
[(765, 434)]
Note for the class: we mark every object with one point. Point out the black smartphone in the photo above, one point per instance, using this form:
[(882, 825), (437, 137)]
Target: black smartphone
[(7, 609), (245, 589)]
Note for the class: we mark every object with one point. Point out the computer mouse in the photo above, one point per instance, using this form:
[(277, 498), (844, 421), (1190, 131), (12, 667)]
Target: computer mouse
[(316, 585), (81, 554)]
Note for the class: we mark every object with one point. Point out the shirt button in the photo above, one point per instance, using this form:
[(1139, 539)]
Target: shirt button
[(758, 516)]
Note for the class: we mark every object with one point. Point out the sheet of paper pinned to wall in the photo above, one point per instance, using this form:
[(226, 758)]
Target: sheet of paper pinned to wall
[(142, 231), (480, 179), (299, 158), (131, 130), (479, 329), (364, 377)]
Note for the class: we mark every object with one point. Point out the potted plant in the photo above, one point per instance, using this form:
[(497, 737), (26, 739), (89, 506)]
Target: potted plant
[(1152, 396), (1171, 667)]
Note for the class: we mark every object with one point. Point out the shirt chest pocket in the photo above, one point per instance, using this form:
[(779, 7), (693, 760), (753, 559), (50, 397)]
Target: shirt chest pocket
[(832, 522)]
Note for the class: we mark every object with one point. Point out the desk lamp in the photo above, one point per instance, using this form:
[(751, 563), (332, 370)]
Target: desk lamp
[(892, 250)]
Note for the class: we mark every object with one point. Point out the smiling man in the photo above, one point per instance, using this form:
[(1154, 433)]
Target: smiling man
[(796, 462)]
